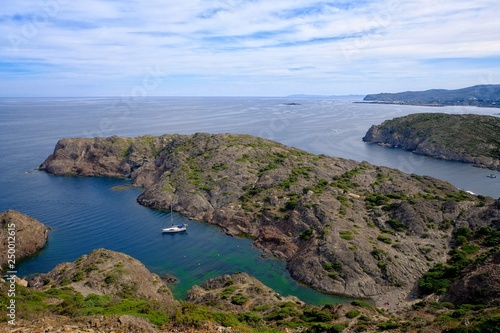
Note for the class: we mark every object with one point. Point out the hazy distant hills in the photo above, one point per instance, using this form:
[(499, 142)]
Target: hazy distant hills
[(486, 95), (346, 97)]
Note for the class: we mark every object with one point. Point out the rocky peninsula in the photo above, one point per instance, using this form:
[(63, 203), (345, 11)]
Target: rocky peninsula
[(343, 227), (466, 138)]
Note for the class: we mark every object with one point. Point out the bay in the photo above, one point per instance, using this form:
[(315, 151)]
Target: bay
[(88, 213)]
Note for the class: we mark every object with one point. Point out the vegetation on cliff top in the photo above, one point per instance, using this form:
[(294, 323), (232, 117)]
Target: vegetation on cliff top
[(344, 227), (229, 303), (465, 137)]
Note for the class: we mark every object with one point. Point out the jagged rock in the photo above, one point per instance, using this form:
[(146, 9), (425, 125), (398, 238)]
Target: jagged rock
[(28, 235), (106, 272), (342, 226)]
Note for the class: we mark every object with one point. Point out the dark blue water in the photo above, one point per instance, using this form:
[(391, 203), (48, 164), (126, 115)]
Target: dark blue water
[(88, 213)]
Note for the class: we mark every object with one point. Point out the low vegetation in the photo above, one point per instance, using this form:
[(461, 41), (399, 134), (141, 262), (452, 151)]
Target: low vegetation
[(465, 137)]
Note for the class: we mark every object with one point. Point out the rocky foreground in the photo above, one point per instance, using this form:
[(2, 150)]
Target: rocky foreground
[(108, 291), (465, 138), (343, 227)]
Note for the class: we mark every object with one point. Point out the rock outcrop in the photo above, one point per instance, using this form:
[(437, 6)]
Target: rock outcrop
[(465, 138), (239, 291), (343, 227), (105, 272), (479, 284), (26, 233)]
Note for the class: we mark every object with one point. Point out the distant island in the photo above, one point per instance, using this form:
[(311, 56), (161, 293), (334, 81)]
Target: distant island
[(486, 95), (466, 138)]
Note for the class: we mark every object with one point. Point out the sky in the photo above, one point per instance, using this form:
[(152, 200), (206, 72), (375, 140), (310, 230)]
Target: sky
[(245, 47)]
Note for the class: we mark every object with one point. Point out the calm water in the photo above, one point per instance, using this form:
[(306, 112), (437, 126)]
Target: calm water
[(88, 213)]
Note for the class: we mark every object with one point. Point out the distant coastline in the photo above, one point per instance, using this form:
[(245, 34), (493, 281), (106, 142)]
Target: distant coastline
[(400, 103), (486, 95)]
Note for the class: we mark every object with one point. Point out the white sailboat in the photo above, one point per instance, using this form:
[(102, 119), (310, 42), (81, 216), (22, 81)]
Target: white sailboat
[(174, 228)]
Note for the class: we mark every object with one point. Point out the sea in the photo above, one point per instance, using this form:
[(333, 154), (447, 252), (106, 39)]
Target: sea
[(89, 213)]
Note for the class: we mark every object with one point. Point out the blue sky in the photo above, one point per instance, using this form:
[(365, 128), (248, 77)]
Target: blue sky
[(245, 47)]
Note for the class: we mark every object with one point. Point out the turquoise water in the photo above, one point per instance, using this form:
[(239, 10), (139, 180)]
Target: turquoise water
[(89, 213)]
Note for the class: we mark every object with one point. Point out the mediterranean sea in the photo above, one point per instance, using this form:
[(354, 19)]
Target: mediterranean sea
[(89, 213)]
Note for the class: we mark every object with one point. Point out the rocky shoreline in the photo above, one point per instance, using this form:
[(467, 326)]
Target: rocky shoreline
[(22, 233), (466, 138), (343, 227)]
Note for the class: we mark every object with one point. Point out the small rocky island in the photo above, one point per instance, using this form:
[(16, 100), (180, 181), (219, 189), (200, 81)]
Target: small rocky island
[(343, 227), (465, 137)]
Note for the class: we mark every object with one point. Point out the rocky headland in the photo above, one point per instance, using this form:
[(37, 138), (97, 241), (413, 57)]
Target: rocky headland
[(466, 138), (343, 227), (22, 233)]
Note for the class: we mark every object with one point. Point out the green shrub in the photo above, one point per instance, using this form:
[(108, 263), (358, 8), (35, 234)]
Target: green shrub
[(388, 325), (316, 315), (239, 299), (361, 304), (376, 200), (306, 234), (251, 318), (470, 248), (78, 276), (347, 235), (397, 225), (384, 239), (352, 314)]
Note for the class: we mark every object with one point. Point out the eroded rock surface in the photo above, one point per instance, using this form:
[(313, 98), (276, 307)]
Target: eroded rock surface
[(342, 226), (28, 234), (105, 272), (466, 138)]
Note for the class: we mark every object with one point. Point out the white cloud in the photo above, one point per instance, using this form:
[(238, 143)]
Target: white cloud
[(324, 47)]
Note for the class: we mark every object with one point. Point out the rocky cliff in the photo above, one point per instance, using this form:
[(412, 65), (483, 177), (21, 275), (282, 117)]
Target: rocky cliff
[(466, 138), (479, 284), (94, 294), (21, 233), (343, 227), (105, 272)]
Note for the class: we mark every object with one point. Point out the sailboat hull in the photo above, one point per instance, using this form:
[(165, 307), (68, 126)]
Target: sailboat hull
[(174, 229)]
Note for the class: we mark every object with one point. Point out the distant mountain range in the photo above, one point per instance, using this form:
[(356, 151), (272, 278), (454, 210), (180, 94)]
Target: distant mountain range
[(486, 95)]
